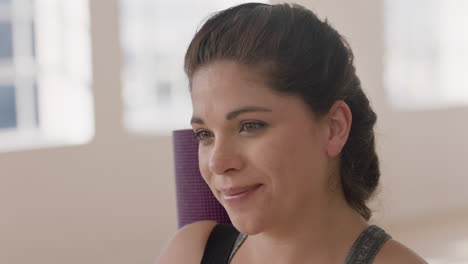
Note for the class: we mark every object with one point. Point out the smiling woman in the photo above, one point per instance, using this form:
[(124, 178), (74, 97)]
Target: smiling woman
[(286, 143), (253, 141)]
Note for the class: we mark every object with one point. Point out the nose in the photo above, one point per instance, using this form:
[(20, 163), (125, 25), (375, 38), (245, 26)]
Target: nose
[(225, 157)]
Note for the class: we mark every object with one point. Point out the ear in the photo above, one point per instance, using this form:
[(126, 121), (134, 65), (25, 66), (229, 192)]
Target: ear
[(339, 124)]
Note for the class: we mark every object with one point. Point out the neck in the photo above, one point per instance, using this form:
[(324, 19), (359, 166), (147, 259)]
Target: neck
[(323, 236)]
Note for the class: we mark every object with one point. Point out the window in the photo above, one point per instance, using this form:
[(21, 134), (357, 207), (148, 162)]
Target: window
[(45, 76), (18, 94), (154, 37), (426, 46), (7, 107)]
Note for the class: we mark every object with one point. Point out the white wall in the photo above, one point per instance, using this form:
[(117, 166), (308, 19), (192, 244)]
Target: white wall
[(113, 201), (110, 201)]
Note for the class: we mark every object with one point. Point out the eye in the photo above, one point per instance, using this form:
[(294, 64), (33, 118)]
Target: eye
[(252, 126), (202, 135)]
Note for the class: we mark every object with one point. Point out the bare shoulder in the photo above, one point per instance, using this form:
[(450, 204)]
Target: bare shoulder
[(188, 244), (395, 252)]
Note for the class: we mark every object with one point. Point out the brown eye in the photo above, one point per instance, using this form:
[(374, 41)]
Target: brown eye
[(202, 135), (252, 126)]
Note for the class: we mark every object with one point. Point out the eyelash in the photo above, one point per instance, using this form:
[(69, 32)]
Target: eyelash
[(198, 135), (202, 135), (258, 125)]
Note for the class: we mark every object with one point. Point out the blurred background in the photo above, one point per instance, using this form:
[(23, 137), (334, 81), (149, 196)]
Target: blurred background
[(91, 90)]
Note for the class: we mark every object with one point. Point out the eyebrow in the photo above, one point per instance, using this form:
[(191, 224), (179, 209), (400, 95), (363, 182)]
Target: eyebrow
[(235, 113)]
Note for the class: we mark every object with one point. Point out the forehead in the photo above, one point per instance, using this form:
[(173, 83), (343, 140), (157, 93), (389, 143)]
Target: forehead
[(228, 84), (224, 86)]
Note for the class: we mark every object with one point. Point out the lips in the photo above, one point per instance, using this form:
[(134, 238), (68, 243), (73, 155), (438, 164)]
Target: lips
[(234, 192)]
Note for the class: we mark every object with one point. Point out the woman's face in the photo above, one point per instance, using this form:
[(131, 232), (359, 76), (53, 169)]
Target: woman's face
[(262, 154)]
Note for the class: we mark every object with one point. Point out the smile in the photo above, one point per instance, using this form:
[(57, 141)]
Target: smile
[(239, 193)]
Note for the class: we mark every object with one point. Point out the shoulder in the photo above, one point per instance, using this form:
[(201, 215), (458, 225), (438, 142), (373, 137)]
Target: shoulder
[(395, 252), (189, 240)]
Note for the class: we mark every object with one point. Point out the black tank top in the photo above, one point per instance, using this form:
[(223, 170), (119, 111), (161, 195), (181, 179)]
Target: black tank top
[(225, 240)]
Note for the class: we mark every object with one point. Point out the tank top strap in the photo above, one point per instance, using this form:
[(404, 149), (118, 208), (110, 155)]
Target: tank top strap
[(366, 247), (239, 240), (220, 244)]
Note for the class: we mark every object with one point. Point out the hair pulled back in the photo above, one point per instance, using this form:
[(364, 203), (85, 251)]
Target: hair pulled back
[(301, 56)]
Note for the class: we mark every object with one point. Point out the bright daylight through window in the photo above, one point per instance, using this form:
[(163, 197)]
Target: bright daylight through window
[(154, 37), (45, 73), (426, 45)]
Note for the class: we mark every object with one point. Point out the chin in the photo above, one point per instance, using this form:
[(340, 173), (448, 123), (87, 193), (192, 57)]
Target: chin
[(249, 225)]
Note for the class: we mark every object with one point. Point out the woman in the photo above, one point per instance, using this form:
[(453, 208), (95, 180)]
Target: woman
[(286, 144)]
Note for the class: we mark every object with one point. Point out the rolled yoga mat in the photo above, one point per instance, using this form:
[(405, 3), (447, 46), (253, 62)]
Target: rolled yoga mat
[(195, 202)]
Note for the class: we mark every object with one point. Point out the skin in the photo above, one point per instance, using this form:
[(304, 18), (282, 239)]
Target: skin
[(254, 138)]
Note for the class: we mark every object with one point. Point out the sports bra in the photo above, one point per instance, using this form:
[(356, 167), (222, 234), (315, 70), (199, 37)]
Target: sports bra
[(225, 240)]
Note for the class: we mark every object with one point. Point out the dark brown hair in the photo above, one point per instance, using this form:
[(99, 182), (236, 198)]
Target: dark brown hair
[(301, 56)]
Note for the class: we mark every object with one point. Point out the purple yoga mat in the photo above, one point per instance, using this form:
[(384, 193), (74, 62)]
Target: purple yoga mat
[(195, 201)]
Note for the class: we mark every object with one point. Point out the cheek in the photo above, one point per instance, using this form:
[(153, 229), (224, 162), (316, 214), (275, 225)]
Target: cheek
[(291, 161), (269, 158), (203, 165)]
